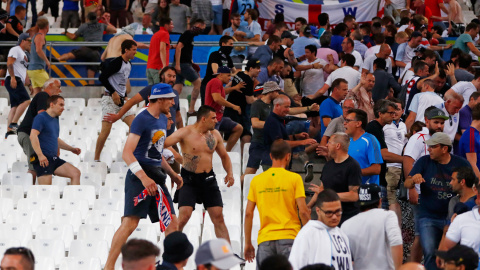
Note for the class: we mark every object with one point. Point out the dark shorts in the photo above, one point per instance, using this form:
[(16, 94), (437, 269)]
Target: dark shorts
[(226, 125), (53, 164), (133, 187), (188, 73), (198, 188), (88, 54), (255, 153), (17, 95), (53, 5), (243, 120)]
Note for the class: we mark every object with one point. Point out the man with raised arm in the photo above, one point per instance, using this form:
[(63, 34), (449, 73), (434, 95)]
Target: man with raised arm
[(198, 142)]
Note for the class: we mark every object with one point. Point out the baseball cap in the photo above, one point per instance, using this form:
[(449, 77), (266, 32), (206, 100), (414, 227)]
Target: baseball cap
[(218, 253), (461, 255), (368, 194), (435, 113), (221, 70), (270, 87), (307, 31), (162, 90), (287, 34), (416, 34), (439, 138), (258, 90), (253, 63), (22, 37), (177, 247)]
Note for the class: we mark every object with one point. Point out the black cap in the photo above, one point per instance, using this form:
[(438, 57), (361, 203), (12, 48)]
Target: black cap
[(461, 255), (258, 90), (253, 63), (307, 31), (177, 247), (369, 194), (287, 34), (420, 49)]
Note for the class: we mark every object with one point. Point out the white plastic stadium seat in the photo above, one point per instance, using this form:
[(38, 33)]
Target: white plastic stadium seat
[(54, 248), (75, 102), (92, 249), (19, 166), (6, 205), (91, 179), (42, 205), (13, 192), (70, 157), (145, 231), (115, 179), (20, 232), (62, 232), (92, 102), (80, 192), (81, 263), (111, 192), (30, 217), (93, 167), (43, 192), (73, 204), (8, 156), (104, 217), (44, 263), (68, 216), (119, 167), (96, 232), (115, 204), (8, 243), (18, 179)]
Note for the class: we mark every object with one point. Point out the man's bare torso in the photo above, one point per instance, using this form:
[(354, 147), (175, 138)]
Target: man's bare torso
[(197, 149)]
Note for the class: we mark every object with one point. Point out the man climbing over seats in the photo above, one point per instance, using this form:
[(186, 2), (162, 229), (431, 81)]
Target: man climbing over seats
[(143, 154), (198, 142), (47, 144), (114, 78)]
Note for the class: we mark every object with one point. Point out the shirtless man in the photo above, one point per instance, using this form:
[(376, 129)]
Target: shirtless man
[(113, 49), (198, 142)]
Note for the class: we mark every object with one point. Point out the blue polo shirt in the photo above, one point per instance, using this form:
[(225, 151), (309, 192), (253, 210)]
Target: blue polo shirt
[(273, 129), (330, 108), (470, 143), (436, 191), (366, 151), (49, 129)]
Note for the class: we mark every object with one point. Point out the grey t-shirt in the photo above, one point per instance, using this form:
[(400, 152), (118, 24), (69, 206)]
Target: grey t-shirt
[(91, 31), (179, 16), (260, 110), (463, 76), (336, 125)]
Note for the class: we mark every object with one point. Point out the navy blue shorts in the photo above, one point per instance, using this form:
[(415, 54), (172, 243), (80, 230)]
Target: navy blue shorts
[(198, 188), (17, 95), (226, 125), (187, 73), (53, 164), (255, 153), (133, 187)]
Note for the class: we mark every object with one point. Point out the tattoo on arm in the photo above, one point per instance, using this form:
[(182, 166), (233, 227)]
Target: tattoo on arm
[(353, 188), (190, 162), (210, 141)]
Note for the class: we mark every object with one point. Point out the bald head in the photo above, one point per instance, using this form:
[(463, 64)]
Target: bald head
[(385, 50), (411, 266)]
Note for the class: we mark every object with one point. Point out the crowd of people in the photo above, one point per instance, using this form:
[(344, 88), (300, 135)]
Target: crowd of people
[(390, 107)]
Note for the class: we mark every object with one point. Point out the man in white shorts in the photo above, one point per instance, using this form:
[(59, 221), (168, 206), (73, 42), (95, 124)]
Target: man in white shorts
[(114, 78)]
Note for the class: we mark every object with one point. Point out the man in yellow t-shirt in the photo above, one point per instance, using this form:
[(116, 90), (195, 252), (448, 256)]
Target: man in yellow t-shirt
[(277, 193)]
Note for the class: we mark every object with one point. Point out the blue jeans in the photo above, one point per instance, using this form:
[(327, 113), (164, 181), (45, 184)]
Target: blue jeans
[(431, 231)]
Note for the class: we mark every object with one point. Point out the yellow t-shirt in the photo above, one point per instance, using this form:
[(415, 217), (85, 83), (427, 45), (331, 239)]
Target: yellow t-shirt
[(274, 192)]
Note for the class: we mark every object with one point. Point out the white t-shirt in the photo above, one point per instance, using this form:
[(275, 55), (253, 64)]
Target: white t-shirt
[(358, 59), (21, 63), (421, 101), (465, 89), (417, 148), (139, 31), (313, 78), (465, 229), (399, 4), (395, 139), (368, 63), (351, 75), (451, 125), (373, 50), (371, 235)]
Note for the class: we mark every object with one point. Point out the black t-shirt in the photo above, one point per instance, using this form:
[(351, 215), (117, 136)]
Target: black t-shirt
[(219, 58), (238, 98), (16, 25), (39, 102), (376, 130), (339, 176), (280, 53), (187, 40)]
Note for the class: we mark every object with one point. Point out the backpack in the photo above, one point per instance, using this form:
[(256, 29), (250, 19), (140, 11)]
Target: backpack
[(403, 91)]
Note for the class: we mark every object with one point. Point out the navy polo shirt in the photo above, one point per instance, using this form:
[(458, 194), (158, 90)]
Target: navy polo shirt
[(273, 129)]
